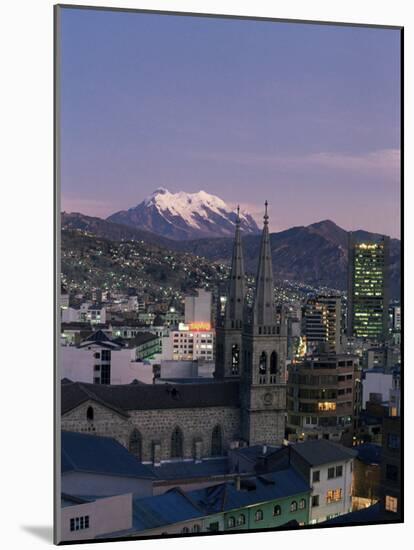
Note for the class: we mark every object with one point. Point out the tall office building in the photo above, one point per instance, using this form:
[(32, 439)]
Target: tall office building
[(368, 288)]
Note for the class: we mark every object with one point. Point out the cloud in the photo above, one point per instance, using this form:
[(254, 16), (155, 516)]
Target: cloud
[(384, 162)]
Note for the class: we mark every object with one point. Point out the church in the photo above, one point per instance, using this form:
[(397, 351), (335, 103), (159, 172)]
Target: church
[(244, 404)]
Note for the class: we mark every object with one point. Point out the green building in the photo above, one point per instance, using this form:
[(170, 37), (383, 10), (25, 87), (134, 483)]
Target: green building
[(368, 294), (264, 501), (259, 502)]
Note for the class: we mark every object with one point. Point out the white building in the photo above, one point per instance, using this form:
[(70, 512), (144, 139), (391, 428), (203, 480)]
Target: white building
[(85, 519), (197, 309), (87, 313), (376, 386), (329, 468), (101, 360), (189, 343)]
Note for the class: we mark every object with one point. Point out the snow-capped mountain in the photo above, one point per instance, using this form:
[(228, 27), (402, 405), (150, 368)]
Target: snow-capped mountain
[(184, 216)]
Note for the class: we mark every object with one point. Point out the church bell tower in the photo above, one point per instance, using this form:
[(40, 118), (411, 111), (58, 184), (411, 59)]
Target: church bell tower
[(229, 327), (264, 344)]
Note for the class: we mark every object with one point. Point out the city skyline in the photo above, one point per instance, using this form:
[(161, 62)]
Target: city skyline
[(309, 113)]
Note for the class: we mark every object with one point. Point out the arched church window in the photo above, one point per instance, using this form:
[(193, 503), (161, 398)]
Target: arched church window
[(216, 442), (273, 363), (235, 359), (135, 443), (89, 414), (263, 363), (177, 443)]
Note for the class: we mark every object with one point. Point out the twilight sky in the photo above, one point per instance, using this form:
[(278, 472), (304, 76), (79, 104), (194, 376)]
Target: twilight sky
[(305, 116)]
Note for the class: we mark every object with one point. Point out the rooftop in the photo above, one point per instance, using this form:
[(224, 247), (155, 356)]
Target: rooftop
[(129, 397), (322, 451), (175, 506), (99, 455), (191, 470), (369, 453)]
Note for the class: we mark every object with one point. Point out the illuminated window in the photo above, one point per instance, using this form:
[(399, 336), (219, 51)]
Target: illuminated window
[(302, 504), (293, 506), (277, 510), (326, 406), (391, 504), (231, 522), (333, 495)]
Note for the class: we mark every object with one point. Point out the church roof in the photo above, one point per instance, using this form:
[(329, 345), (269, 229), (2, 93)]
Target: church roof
[(130, 397)]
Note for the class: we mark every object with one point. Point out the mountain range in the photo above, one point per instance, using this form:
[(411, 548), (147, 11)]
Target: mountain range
[(316, 254), (183, 216)]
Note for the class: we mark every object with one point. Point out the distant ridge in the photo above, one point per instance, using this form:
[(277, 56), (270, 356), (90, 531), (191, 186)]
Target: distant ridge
[(316, 254)]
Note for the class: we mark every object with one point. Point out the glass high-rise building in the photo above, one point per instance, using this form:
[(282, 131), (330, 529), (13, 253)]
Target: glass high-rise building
[(368, 288)]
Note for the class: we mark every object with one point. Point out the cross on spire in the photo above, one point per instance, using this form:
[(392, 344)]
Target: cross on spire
[(266, 217)]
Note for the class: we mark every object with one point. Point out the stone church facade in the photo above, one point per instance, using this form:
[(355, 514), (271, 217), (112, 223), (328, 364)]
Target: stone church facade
[(245, 404)]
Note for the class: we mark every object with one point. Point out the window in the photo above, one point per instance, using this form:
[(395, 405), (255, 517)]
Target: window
[(258, 515), (315, 501), (326, 406), (302, 504), (338, 471), (106, 355), (241, 520), (391, 504), (96, 355), (263, 363), (89, 414), (316, 476), (333, 495), (393, 441), (177, 443), (216, 442), (82, 522), (277, 510), (231, 522), (214, 526), (135, 443), (331, 473), (293, 506), (273, 363), (196, 528), (391, 472), (185, 530), (106, 374), (235, 359)]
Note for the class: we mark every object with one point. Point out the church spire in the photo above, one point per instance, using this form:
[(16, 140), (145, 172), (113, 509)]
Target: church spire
[(235, 303), (263, 307)]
